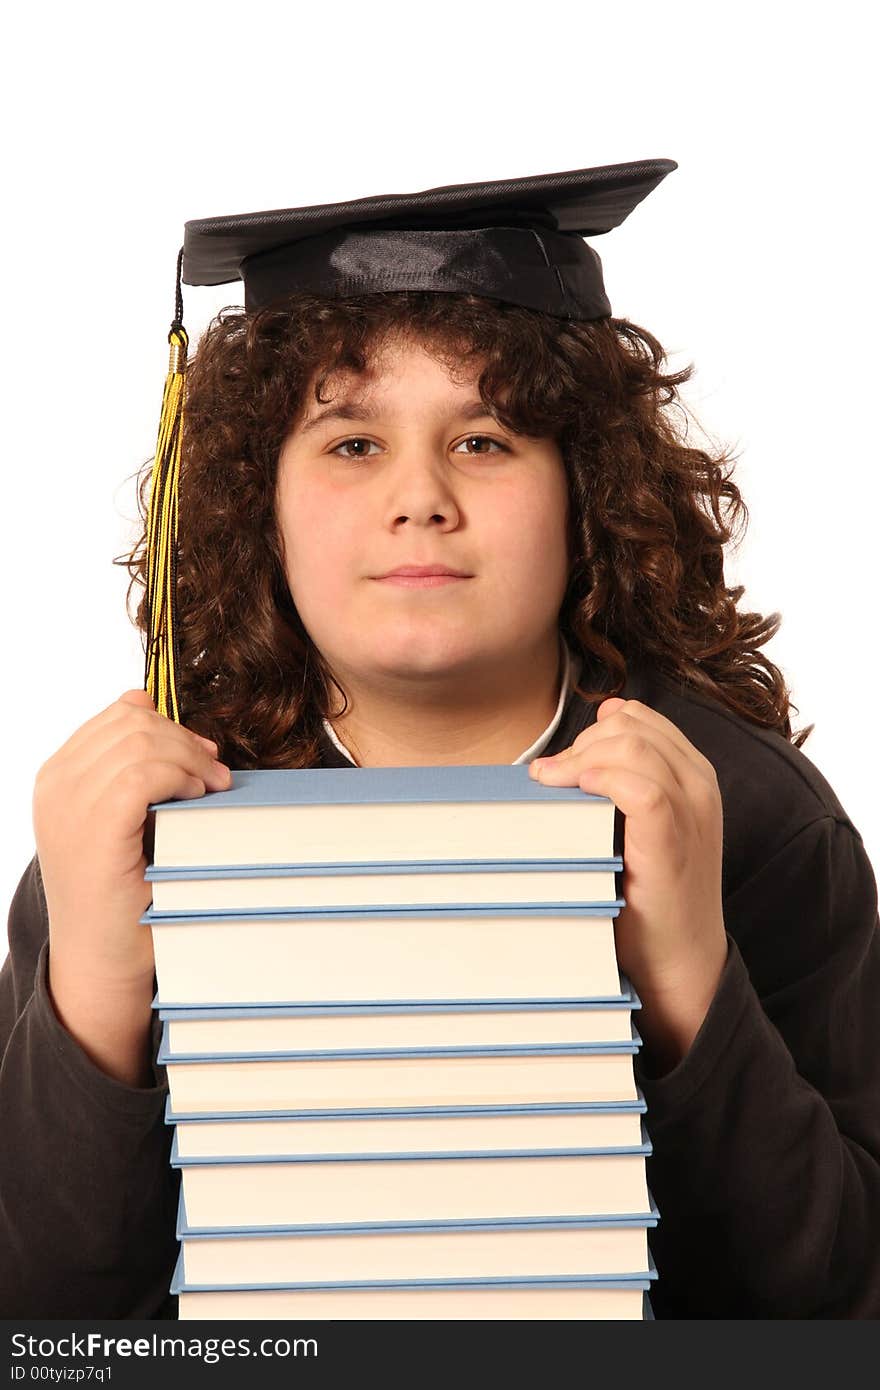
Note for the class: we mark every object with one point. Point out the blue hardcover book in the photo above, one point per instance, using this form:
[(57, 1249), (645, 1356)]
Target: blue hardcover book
[(415, 1149), (262, 1032), (627, 999), (597, 1249), (437, 1076), (399, 1189), (582, 1295), (385, 1112), (603, 1302), (640, 1280), (463, 818), (416, 815), (387, 887), (433, 1049), (186, 1230), (363, 1113), (448, 956)]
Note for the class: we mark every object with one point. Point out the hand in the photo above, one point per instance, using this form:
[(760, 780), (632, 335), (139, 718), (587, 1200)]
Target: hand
[(92, 827), (670, 937)]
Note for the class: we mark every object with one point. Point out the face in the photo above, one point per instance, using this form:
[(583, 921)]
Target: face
[(403, 467)]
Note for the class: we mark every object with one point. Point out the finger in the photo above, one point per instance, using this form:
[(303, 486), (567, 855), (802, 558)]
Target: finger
[(158, 781), (636, 745), (143, 699), (119, 742), (653, 826), (635, 709), (634, 756), (652, 725), (192, 763), (610, 706), (123, 708)]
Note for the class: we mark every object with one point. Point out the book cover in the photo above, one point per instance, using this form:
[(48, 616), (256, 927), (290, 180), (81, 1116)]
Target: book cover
[(194, 1033), (409, 957), (424, 813), (640, 1279), (474, 1077), (246, 888), (239, 1259), (422, 1188), (635, 1105)]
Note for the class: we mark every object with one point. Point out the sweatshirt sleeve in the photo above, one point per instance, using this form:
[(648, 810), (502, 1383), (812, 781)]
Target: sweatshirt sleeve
[(766, 1163), (87, 1195)]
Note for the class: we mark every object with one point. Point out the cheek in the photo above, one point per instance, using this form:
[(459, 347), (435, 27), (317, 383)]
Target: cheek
[(318, 539), (528, 530)]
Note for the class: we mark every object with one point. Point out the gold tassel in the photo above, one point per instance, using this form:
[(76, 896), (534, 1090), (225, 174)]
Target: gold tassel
[(162, 655)]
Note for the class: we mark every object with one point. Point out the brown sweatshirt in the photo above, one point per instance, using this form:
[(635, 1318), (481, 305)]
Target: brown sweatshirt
[(766, 1162)]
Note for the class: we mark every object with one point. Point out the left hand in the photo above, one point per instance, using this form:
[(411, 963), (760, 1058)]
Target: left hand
[(670, 937)]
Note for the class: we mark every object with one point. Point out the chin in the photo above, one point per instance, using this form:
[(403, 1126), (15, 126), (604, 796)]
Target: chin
[(408, 653)]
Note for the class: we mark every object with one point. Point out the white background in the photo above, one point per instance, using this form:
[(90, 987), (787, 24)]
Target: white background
[(755, 260)]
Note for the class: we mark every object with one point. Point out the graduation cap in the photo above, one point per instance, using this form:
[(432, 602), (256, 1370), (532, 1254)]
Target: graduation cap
[(515, 240)]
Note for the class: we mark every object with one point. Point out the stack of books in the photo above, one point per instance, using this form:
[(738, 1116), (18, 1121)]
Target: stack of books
[(399, 1050)]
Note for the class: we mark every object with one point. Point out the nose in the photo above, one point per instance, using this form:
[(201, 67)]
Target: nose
[(421, 492)]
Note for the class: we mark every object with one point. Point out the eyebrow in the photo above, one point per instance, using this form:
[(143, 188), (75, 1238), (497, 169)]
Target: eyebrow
[(352, 410)]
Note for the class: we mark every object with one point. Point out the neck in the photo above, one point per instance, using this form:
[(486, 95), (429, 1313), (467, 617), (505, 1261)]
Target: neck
[(489, 716)]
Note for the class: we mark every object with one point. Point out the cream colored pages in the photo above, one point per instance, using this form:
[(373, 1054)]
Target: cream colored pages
[(433, 1189), (262, 1138), (329, 959), (461, 1254), (461, 1305), (401, 833), (383, 890), (448, 1029), (366, 1083)]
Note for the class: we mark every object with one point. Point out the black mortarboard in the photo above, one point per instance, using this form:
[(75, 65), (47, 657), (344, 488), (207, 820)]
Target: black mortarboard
[(518, 240), (515, 240)]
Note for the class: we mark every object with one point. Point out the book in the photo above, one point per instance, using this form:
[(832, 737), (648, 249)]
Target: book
[(458, 1301), (599, 1248), (387, 887), (441, 957), (512, 1076), (399, 1049), (415, 814), (424, 1189), (263, 1032), (463, 1130)]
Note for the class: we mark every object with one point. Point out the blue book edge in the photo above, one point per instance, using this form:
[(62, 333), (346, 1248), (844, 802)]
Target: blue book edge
[(298, 869), (628, 999), (540, 909), (640, 1280), (645, 1219), (410, 1112), (386, 785), (364, 1054), (645, 1148)]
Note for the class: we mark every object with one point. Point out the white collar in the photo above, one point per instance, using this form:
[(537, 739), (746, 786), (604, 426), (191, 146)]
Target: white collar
[(571, 669)]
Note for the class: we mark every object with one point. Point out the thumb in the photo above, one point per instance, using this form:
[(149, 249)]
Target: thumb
[(138, 697), (610, 706)]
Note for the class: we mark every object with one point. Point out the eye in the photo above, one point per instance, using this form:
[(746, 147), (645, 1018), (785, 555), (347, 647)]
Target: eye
[(360, 451), (482, 439), (354, 440)]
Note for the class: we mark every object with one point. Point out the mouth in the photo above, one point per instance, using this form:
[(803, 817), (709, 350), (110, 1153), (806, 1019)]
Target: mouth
[(423, 576), (422, 581)]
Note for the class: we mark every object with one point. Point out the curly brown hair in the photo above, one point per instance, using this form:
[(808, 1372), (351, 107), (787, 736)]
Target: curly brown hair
[(649, 515)]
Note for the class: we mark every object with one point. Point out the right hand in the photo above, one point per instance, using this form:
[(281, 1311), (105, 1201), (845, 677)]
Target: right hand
[(90, 815)]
